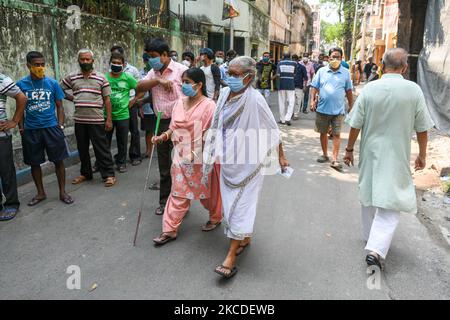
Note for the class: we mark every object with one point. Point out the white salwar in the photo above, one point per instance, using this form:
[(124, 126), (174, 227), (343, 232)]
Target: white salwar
[(243, 136), (378, 228)]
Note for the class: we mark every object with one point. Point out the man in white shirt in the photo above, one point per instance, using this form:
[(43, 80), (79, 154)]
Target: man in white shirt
[(212, 73)]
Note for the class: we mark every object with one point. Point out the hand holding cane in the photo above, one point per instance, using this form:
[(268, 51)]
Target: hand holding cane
[(158, 119)]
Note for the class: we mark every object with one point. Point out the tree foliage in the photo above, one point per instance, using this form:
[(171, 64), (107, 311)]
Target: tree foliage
[(346, 13), (331, 33)]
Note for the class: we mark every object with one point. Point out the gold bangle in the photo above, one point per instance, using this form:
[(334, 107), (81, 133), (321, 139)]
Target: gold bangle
[(167, 135)]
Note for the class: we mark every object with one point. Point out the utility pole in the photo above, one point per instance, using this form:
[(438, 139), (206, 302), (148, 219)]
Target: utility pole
[(184, 15), (231, 34), (362, 53), (352, 51)]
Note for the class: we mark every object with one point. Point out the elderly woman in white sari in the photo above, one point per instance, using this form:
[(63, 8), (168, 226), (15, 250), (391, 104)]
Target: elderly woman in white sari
[(245, 139)]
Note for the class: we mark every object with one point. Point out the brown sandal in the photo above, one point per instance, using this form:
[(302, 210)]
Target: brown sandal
[(110, 181), (79, 180), (209, 226), (163, 239)]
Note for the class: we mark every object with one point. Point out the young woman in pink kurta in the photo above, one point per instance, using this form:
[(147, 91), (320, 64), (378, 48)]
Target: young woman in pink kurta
[(191, 118)]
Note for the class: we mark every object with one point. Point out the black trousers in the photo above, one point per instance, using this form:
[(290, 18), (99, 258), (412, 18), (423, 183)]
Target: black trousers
[(306, 99), (96, 134), (121, 128), (164, 163), (135, 142), (8, 175)]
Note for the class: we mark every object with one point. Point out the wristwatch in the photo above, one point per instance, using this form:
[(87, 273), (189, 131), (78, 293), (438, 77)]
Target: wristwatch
[(62, 127)]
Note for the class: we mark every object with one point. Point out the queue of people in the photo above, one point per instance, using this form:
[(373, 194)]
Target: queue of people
[(204, 112)]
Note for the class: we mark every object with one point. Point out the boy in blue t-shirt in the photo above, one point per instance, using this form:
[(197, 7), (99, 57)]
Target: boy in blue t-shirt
[(42, 130)]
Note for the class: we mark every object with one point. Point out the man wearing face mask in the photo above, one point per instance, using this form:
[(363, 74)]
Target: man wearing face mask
[(212, 73), (188, 59), (220, 58), (330, 87), (266, 72), (43, 126), (135, 141), (121, 84), (231, 54), (164, 81), (90, 95), (309, 65), (173, 55), (286, 70)]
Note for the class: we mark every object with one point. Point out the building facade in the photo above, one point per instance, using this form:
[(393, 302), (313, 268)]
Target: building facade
[(301, 27), (251, 27), (314, 42)]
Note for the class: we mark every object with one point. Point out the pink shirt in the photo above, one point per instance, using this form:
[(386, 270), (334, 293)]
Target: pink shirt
[(309, 70), (163, 100)]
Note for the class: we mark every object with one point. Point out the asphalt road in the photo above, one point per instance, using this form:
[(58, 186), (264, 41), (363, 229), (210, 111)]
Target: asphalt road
[(307, 242)]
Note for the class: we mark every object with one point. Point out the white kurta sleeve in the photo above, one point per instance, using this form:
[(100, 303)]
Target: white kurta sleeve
[(422, 121)]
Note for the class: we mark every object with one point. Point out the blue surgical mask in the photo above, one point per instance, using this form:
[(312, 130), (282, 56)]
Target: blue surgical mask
[(156, 63), (265, 59), (188, 90), (236, 84)]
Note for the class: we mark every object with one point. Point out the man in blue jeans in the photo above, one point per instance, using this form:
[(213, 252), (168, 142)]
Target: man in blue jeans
[(43, 131), (11, 205), (329, 88)]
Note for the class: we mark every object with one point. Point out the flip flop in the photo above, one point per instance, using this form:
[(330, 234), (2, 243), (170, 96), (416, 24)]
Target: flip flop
[(8, 214), (209, 226), (241, 249), (35, 201), (227, 275), (165, 239), (336, 166), (67, 199)]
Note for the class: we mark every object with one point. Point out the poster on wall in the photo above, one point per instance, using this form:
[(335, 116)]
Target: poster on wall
[(229, 10)]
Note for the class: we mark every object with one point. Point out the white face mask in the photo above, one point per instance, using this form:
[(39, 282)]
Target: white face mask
[(325, 63), (186, 63)]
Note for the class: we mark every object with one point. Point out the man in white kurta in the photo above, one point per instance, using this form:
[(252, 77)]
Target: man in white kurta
[(387, 112)]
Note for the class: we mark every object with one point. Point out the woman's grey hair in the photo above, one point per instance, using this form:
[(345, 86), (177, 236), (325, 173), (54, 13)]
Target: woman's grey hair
[(245, 64), (85, 51), (395, 59)]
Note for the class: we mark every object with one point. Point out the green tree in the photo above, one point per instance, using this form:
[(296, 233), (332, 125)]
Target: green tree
[(346, 11), (331, 34)]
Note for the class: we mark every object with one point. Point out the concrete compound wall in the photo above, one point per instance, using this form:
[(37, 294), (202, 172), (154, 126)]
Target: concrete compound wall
[(25, 27)]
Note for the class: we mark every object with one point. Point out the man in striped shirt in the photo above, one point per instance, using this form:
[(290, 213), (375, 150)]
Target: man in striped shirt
[(90, 95), (7, 169)]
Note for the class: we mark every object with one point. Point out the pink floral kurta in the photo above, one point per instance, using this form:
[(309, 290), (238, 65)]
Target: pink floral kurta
[(188, 129)]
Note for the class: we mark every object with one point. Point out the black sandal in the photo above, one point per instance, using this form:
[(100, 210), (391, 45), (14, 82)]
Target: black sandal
[(67, 199), (373, 261), (232, 271)]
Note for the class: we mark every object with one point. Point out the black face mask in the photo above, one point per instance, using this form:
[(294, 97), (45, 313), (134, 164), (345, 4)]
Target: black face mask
[(116, 68), (86, 66)]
